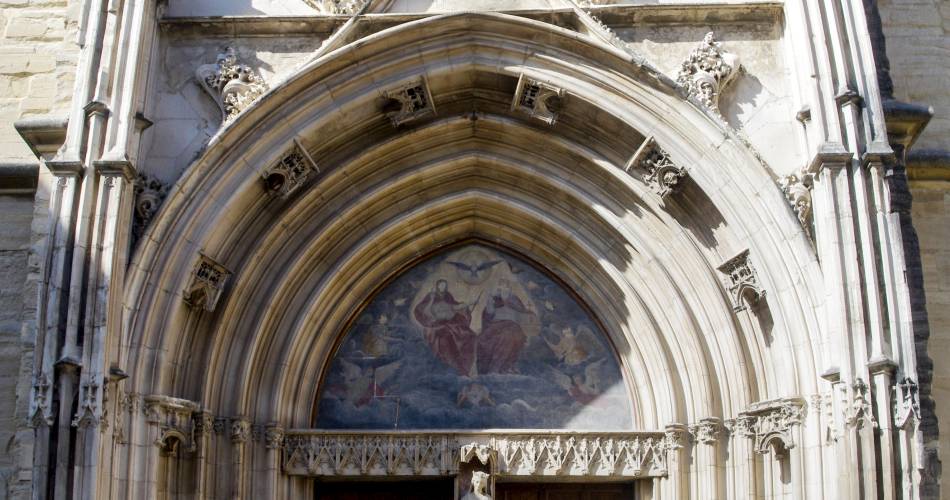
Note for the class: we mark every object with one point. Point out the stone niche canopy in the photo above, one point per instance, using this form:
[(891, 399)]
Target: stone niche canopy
[(474, 338)]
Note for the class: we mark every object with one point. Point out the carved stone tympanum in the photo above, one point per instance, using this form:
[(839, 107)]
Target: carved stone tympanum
[(233, 86), (707, 71), (537, 99)]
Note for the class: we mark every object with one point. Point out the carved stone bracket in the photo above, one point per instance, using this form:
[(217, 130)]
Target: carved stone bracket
[(149, 195), (288, 174), (707, 71), (207, 284), (662, 174), (568, 454), (233, 86), (707, 431), (41, 413), (907, 403), (175, 419), (798, 194), (742, 281), (409, 102), (537, 99), (770, 424)]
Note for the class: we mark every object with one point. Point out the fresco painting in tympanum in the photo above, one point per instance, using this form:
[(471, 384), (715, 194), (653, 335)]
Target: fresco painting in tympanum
[(474, 338)]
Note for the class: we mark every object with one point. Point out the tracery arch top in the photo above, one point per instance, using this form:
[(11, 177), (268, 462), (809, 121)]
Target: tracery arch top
[(474, 338)]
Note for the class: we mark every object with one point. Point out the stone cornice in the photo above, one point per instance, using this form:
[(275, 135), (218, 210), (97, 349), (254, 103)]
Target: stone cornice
[(44, 134), (18, 178), (906, 121), (928, 165)]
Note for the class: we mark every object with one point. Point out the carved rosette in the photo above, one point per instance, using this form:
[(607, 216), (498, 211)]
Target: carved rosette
[(707, 71), (207, 284), (336, 7), (537, 99), (233, 86), (175, 420), (409, 102), (799, 195), (771, 424), (288, 174), (149, 195), (907, 403), (742, 281), (41, 413), (662, 174)]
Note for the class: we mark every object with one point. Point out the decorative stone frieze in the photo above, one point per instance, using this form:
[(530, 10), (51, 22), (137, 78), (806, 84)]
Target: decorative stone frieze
[(859, 412), (707, 430), (207, 283), (906, 403), (41, 413), (233, 86), (174, 418), (799, 195), (89, 412), (288, 174), (569, 454), (149, 195), (742, 281), (537, 99), (336, 7), (771, 423), (707, 71), (409, 102), (662, 174)]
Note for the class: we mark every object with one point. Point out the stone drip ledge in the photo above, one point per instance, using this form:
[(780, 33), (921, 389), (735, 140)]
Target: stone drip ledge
[(18, 177), (709, 12)]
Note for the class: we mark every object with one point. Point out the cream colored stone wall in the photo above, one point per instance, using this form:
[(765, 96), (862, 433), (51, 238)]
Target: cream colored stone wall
[(918, 47), (38, 54)]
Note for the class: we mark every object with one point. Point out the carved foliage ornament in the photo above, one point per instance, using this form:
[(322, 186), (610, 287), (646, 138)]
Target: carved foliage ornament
[(336, 7), (707, 71), (207, 284), (707, 430), (149, 195), (798, 194), (409, 102), (662, 174), (288, 174), (537, 99), (742, 281), (233, 86), (859, 412)]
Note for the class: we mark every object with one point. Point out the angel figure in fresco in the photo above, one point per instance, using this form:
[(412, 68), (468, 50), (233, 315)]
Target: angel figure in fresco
[(503, 331), (446, 330), (583, 387), (570, 347), (362, 384)]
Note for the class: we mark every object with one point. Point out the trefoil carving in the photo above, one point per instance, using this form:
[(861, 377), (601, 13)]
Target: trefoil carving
[(409, 102), (907, 404), (742, 281), (799, 195), (207, 284), (233, 86), (537, 99), (288, 174), (771, 424), (707, 71), (149, 195), (662, 174)]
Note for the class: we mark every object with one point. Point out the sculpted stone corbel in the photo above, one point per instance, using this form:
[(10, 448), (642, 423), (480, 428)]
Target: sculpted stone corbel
[(288, 174), (662, 174), (233, 86), (707, 71), (742, 281), (207, 284), (537, 99), (149, 195), (859, 412), (771, 424), (798, 193), (175, 420), (240, 430), (274, 436), (409, 102), (707, 430), (907, 403), (41, 414), (90, 411)]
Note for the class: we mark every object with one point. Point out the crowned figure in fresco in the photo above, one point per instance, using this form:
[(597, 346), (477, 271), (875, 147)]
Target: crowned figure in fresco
[(504, 321), (445, 323)]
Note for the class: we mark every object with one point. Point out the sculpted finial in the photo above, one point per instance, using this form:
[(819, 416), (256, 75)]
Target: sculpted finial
[(707, 71)]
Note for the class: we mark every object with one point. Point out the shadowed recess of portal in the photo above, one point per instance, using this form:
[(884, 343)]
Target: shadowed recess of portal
[(474, 338)]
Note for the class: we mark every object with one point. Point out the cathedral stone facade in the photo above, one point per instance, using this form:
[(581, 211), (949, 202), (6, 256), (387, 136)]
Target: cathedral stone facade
[(474, 249)]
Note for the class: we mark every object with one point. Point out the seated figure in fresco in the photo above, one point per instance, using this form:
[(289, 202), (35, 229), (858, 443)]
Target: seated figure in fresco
[(446, 329), (503, 336)]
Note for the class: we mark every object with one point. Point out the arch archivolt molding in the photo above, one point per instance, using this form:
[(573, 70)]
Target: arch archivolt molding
[(303, 264)]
